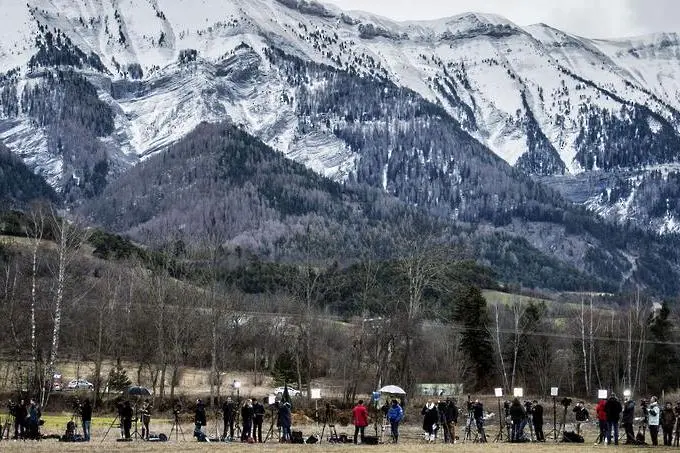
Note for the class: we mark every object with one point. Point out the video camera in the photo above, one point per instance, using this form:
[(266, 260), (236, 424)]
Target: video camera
[(470, 404), (677, 409), (76, 406), (566, 402), (528, 406)]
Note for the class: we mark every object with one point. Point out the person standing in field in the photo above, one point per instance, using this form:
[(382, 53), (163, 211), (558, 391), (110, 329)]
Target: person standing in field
[(613, 410), (628, 419), (602, 421), (86, 418), (395, 414), (668, 424), (360, 420), (654, 414), (581, 415), (228, 416), (285, 420), (258, 420)]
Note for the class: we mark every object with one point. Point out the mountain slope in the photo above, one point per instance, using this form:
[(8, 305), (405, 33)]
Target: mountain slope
[(18, 184), (547, 102), (412, 109)]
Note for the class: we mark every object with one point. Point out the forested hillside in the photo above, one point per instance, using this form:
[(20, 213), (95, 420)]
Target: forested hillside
[(18, 184)]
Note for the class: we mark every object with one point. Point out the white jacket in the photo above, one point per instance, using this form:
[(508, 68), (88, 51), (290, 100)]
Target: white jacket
[(654, 414)]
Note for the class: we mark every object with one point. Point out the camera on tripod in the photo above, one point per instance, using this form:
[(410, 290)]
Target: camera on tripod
[(528, 407), (76, 406), (566, 402)]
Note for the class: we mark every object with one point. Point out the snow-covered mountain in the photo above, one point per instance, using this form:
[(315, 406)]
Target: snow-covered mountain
[(545, 101)]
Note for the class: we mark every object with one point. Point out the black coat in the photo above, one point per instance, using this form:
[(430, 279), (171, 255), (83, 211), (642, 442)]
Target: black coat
[(581, 413), (613, 409), (247, 412), (199, 415), (126, 412), (517, 412), (538, 414), (86, 412), (452, 412), (629, 412), (430, 417), (228, 410), (258, 411), (284, 416)]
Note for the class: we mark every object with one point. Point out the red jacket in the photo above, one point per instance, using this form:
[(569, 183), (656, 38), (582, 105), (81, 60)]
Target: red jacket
[(601, 413), (360, 415)]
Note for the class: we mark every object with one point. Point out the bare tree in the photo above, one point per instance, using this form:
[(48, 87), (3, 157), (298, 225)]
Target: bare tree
[(69, 239), (35, 231)]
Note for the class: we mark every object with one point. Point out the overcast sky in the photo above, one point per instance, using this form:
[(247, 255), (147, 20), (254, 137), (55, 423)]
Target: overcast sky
[(589, 18)]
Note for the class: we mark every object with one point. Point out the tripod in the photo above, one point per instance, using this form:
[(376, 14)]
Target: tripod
[(270, 432), (563, 423), (554, 430), (176, 427), (333, 438), (116, 419), (530, 422), (469, 426), (676, 433), (499, 436), (135, 434), (75, 418)]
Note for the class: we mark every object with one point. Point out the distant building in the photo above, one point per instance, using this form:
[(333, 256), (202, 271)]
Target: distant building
[(439, 389)]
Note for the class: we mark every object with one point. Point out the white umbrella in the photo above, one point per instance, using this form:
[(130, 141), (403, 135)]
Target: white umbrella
[(396, 390)]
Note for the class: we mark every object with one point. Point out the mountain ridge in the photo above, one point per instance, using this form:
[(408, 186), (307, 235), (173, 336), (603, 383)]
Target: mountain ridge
[(455, 117)]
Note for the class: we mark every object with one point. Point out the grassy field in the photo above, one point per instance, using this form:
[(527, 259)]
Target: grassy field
[(411, 441)]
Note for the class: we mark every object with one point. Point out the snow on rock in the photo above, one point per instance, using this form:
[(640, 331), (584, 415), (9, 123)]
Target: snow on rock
[(487, 72)]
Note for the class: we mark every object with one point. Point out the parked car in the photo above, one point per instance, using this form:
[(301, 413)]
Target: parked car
[(291, 391), (79, 384)]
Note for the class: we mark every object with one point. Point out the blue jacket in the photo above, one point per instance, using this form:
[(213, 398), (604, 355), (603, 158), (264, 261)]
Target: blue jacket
[(395, 414)]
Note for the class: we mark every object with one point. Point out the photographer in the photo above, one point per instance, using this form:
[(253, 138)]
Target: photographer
[(517, 416), (200, 420), (258, 420), (285, 421), (146, 419), (20, 416), (602, 421), (86, 418), (228, 416), (613, 410), (653, 419), (628, 419), (126, 419), (395, 415), (451, 420), (581, 415), (247, 414), (360, 420), (430, 419), (478, 412), (537, 414), (668, 424)]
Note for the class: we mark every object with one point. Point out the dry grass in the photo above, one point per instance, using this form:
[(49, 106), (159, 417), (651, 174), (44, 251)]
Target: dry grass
[(189, 446), (412, 441)]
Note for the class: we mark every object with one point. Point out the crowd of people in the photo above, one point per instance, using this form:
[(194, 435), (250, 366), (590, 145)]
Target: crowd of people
[(251, 413), (26, 419), (611, 412), (439, 418)]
